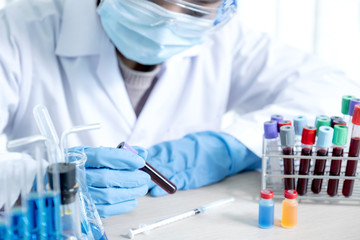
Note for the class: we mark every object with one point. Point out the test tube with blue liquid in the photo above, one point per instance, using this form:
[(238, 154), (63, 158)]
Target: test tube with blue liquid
[(18, 211), (4, 206), (43, 203)]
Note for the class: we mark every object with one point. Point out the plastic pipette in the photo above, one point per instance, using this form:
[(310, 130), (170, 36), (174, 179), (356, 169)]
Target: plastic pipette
[(196, 211), (47, 129)]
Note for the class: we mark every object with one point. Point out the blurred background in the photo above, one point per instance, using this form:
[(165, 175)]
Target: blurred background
[(327, 28)]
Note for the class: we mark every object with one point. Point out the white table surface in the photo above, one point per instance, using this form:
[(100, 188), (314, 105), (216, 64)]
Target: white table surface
[(237, 220)]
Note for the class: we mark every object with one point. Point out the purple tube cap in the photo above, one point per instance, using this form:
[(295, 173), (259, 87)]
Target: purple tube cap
[(352, 104), (277, 117), (270, 129)]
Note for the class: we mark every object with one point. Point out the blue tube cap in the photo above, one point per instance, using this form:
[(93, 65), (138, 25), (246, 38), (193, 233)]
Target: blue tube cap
[(352, 104), (270, 129), (299, 123), (325, 136)]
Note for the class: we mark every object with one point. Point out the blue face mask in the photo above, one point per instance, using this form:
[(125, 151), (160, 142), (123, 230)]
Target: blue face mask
[(147, 33)]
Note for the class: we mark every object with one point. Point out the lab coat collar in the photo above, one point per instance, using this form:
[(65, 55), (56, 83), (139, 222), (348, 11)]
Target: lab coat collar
[(81, 32)]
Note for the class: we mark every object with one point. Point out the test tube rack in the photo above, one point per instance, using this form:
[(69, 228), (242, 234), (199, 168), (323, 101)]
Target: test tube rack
[(273, 173)]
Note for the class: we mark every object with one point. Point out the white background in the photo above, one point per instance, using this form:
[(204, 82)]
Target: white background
[(328, 28)]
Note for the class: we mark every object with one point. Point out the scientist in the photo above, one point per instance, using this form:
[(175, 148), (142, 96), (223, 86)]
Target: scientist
[(160, 74)]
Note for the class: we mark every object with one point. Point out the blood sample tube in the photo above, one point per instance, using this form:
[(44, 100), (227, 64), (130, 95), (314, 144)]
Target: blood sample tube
[(352, 104), (323, 121), (277, 118), (322, 149), (335, 118), (289, 209), (266, 209), (339, 141), (284, 123), (287, 139), (155, 175), (307, 140), (354, 149), (338, 122), (299, 123), (345, 107)]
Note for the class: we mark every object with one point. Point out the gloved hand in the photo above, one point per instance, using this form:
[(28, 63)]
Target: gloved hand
[(114, 180), (199, 159)]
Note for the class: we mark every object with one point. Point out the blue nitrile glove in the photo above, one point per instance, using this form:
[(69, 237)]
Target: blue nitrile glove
[(114, 180), (199, 159)]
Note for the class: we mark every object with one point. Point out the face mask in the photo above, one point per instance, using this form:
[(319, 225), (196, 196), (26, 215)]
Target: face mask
[(147, 33)]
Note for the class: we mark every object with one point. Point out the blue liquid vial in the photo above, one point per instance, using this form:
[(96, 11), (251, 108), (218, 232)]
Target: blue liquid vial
[(3, 230), (266, 209), (18, 229), (36, 216), (52, 213)]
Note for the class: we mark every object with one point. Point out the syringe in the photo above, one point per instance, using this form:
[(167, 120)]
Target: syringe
[(163, 222)]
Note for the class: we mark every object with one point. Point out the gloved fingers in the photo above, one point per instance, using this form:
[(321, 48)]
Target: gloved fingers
[(108, 210), (105, 177), (113, 158), (116, 195), (142, 152)]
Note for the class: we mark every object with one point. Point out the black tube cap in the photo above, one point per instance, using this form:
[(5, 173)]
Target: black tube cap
[(67, 175)]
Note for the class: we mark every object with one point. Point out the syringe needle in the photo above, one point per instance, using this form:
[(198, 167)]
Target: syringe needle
[(204, 208)]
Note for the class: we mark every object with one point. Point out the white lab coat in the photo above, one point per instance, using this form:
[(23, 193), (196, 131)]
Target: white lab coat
[(54, 52)]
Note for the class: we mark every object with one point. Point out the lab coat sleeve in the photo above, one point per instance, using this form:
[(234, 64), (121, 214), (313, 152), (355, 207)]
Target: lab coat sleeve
[(272, 78), (9, 73)]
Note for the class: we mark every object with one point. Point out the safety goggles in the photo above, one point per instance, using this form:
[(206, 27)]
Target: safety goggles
[(218, 11)]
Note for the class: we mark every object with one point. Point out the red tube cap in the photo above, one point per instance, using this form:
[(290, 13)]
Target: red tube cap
[(308, 135), (356, 115), (290, 194), (266, 194)]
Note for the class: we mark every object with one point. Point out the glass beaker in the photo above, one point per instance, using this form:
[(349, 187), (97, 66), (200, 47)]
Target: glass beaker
[(91, 224)]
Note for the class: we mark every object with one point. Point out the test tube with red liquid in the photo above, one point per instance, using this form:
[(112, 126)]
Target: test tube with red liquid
[(354, 149), (155, 175), (322, 149), (339, 141), (307, 140), (287, 139), (338, 122), (335, 118)]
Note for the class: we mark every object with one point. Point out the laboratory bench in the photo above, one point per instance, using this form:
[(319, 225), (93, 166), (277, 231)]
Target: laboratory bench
[(317, 219)]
